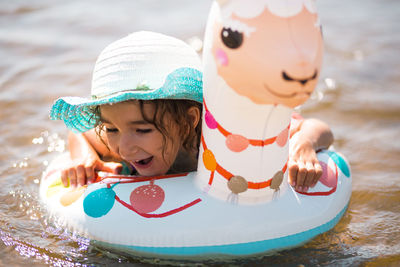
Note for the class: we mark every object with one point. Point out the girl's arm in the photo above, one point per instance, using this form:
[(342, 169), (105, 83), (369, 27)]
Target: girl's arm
[(87, 152), (304, 168)]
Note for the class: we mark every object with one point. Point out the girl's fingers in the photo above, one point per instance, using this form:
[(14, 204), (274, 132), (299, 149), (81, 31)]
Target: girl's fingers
[(309, 179), (89, 174), (293, 169), (80, 175), (64, 178), (318, 173), (72, 177), (301, 175)]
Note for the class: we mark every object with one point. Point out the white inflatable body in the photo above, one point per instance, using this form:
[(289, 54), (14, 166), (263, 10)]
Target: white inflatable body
[(190, 223), (239, 202)]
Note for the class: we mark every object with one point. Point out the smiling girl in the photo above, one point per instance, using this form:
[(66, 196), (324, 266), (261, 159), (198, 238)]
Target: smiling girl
[(145, 106)]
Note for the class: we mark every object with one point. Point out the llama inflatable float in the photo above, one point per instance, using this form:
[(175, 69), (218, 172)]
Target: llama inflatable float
[(261, 59)]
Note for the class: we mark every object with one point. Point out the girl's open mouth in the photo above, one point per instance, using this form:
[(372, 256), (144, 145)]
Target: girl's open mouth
[(143, 163)]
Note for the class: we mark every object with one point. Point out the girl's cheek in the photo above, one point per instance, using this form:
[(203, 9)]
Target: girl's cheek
[(221, 57), (112, 143)]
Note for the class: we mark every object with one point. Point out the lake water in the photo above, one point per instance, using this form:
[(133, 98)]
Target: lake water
[(48, 49)]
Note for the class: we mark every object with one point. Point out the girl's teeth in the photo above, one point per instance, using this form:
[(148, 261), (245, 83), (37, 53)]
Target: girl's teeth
[(143, 161)]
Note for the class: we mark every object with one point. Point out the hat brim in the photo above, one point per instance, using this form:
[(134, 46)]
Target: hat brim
[(76, 112)]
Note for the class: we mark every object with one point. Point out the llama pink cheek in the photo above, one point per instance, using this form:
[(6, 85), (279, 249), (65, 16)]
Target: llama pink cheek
[(221, 57)]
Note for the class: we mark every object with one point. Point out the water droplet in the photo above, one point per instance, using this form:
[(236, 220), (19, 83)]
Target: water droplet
[(330, 83), (37, 141)]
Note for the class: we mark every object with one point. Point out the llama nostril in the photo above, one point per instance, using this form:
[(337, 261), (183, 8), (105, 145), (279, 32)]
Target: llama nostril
[(303, 82)]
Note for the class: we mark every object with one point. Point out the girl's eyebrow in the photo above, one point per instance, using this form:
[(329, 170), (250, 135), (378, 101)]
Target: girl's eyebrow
[(138, 122)]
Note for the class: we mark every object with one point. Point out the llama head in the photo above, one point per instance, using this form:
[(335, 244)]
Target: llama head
[(269, 51)]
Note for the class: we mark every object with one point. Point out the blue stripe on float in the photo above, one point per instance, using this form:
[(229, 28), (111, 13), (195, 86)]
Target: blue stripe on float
[(243, 248), (343, 166)]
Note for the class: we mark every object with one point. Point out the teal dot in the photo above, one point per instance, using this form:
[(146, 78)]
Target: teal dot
[(340, 162), (99, 202)]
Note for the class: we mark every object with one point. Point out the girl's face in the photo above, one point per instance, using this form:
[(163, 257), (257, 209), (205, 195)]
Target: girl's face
[(137, 141)]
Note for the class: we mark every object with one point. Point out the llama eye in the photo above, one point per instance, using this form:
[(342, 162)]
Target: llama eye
[(232, 39)]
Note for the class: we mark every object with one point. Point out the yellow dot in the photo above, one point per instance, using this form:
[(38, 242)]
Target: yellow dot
[(209, 160)]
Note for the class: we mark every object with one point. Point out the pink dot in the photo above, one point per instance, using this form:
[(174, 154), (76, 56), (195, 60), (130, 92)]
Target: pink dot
[(147, 198), (210, 121), (282, 138), (221, 57), (328, 177), (236, 143)]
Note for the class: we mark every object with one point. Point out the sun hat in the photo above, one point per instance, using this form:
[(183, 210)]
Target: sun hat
[(143, 65)]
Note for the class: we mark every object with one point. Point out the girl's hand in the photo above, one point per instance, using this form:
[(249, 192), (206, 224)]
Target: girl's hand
[(304, 168), (85, 150), (82, 171)]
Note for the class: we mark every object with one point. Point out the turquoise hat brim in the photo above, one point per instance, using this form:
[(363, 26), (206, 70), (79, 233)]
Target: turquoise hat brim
[(183, 83)]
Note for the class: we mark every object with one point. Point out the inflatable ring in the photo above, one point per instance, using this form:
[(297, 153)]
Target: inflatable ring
[(170, 216), (238, 203)]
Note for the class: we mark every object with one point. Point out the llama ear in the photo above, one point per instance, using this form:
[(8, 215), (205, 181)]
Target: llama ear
[(222, 2)]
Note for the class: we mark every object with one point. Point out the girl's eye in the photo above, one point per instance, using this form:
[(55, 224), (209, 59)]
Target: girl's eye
[(232, 39), (143, 131), (111, 130)]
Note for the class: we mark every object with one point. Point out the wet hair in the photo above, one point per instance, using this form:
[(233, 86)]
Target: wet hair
[(178, 112)]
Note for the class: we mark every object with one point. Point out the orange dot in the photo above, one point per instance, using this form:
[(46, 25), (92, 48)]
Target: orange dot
[(209, 160)]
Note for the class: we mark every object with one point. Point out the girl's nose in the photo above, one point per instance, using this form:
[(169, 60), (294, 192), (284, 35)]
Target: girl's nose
[(128, 146)]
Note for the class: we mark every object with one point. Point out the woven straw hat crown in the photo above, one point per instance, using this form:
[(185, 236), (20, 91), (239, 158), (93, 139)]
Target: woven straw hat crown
[(139, 61)]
